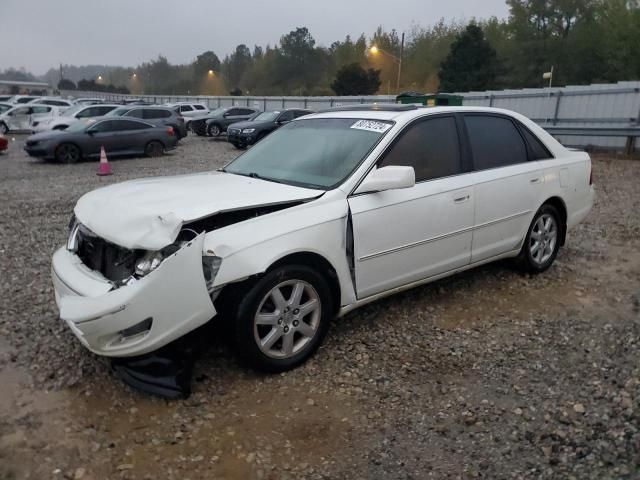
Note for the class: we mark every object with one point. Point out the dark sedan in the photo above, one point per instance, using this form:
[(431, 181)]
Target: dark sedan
[(118, 136), (216, 121), (246, 133)]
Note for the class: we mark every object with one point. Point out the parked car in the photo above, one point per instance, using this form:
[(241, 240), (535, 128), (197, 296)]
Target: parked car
[(118, 136), (330, 212), (89, 101), (72, 115), (4, 144), (155, 115), (246, 133), (216, 121), (5, 98), (61, 103), (26, 117), (20, 99), (189, 110)]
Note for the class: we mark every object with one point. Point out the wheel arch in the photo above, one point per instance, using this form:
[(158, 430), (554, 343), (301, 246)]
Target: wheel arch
[(558, 203), (319, 264)]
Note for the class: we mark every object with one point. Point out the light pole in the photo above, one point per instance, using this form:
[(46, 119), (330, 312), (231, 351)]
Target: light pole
[(374, 49)]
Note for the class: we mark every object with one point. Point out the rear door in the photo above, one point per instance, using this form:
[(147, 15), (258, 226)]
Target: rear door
[(406, 235), (130, 136), (508, 184)]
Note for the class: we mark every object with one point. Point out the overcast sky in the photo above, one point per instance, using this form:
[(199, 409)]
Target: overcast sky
[(40, 34)]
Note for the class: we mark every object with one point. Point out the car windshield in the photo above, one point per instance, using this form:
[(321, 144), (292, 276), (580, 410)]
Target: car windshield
[(313, 153), (118, 112), (80, 126), (266, 117)]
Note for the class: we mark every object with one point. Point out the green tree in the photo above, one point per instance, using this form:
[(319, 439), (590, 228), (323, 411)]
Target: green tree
[(354, 80), (471, 64), (236, 65), (204, 62)]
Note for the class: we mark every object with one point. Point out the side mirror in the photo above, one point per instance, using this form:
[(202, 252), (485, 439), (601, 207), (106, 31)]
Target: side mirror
[(91, 132), (388, 178)]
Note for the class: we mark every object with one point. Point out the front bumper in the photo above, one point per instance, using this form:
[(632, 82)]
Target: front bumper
[(174, 297), (241, 138), (38, 152)]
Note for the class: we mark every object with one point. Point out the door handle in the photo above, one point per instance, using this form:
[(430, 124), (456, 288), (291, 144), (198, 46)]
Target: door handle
[(461, 199), (535, 180)]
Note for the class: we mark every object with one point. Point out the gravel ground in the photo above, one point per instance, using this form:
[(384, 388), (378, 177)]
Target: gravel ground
[(488, 374)]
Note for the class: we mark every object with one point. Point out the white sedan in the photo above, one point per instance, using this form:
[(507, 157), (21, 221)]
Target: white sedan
[(328, 213)]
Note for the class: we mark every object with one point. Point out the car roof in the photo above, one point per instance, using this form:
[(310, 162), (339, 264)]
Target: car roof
[(379, 112)]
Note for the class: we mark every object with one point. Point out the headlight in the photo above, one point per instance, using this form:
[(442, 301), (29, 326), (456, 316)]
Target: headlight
[(210, 266), (248, 130), (149, 263)]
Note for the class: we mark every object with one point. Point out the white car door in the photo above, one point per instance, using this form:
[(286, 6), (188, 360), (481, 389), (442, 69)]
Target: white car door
[(508, 184), (405, 235), (41, 113), (19, 119)]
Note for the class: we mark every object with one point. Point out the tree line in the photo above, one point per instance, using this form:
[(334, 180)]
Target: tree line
[(586, 41)]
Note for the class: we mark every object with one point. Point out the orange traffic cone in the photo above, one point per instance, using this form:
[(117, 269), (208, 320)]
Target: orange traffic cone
[(104, 168)]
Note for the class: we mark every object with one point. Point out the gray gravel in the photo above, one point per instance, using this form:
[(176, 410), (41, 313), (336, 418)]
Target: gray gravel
[(489, 374)]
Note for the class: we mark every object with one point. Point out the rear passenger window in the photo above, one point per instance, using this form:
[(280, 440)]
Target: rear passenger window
[(431, 147), (199, 107), (151, 113), (495, 142), (137, 113), (186, 108), (538, 150)]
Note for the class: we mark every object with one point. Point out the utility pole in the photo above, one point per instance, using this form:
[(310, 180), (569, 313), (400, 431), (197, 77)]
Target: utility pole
[(400, 63)]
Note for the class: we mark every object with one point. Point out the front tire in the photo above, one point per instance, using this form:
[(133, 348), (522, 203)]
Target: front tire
[(213, 130), (3, 128), (542, 242), (68, 153), (281, 321)]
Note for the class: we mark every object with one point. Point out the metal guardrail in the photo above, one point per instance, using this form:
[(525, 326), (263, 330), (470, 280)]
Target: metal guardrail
[(631, 133)]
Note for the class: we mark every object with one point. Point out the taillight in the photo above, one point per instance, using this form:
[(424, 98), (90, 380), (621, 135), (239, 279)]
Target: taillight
[(170, 131)]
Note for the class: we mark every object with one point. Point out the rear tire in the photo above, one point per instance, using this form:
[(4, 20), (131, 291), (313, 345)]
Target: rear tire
[(154, 149), (542, 242), (68, 153), (213, 130), (276, 336)]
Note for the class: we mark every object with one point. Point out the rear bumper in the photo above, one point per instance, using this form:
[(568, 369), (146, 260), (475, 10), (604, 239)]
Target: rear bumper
[(174, 297)]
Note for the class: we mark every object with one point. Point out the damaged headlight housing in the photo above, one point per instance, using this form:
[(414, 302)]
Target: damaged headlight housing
[(210, 266), (149, 262)]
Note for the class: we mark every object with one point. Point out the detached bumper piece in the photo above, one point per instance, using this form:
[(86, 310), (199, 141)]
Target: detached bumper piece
[(166, 374)]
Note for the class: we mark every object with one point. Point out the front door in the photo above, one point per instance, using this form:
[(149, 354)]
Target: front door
[(405, 235), (19, 119)]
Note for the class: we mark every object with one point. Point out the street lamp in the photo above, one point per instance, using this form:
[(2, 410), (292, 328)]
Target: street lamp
[(210, 73), (135, 75), (375, 50), (99, 78)]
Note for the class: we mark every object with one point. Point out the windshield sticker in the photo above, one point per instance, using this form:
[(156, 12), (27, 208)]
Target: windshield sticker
[(371, 126)]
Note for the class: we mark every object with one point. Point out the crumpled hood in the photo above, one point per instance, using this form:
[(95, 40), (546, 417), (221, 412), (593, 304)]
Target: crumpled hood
[(149, 213)]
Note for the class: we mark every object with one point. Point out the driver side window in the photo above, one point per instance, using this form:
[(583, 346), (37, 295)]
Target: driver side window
[(430, 146)]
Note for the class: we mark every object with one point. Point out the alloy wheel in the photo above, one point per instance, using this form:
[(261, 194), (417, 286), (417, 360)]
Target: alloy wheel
[(287, 319), (543, 238)]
